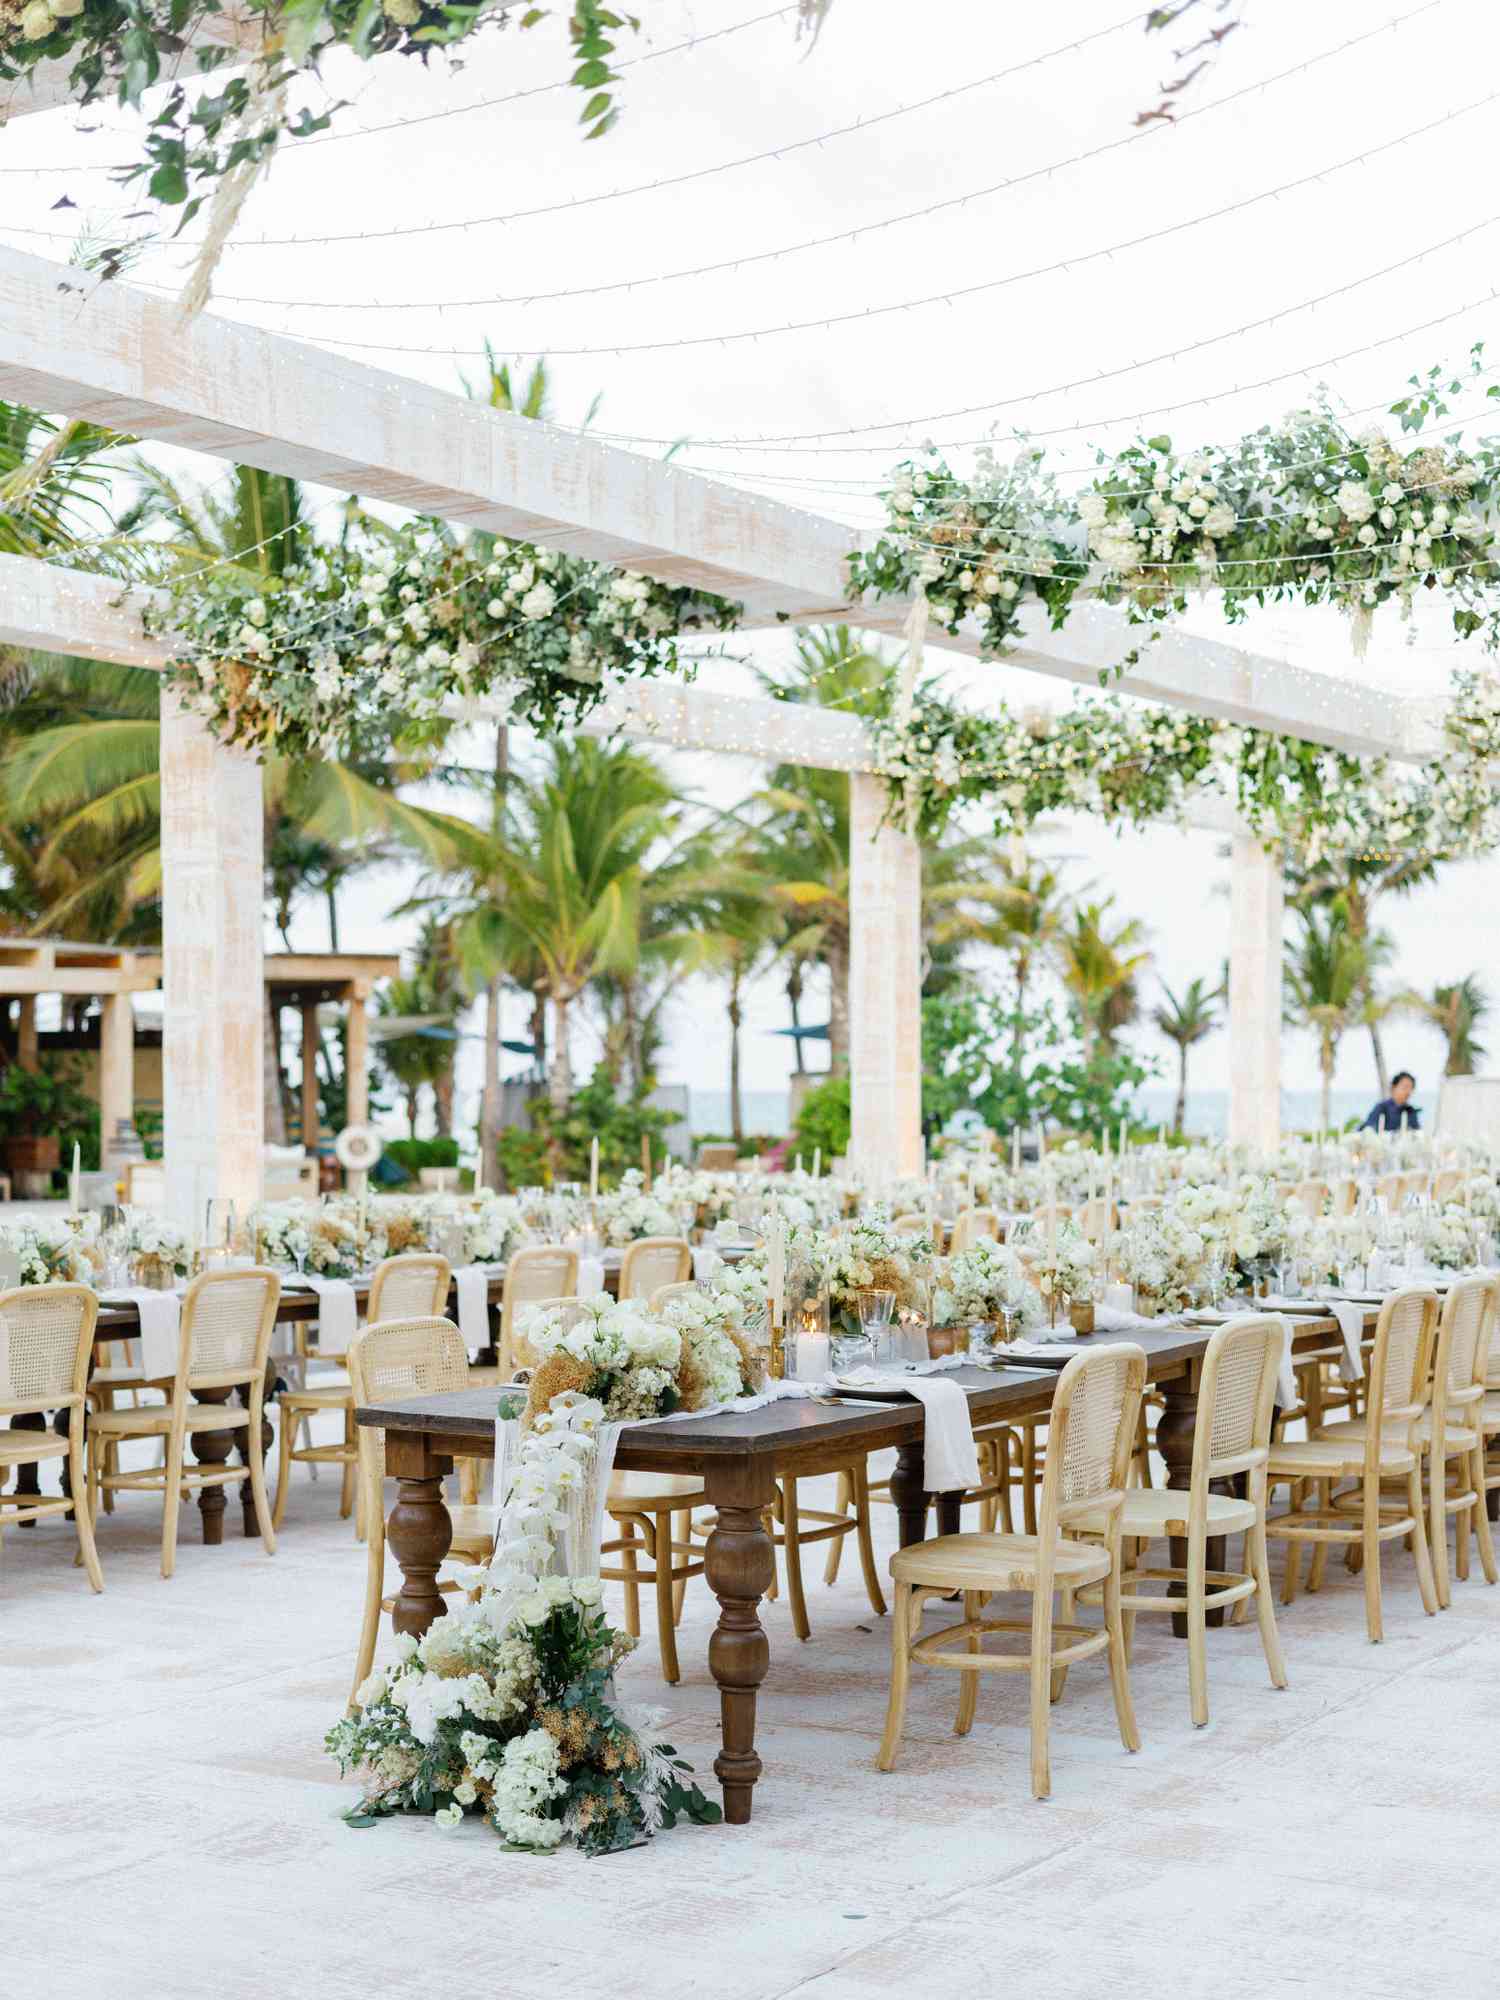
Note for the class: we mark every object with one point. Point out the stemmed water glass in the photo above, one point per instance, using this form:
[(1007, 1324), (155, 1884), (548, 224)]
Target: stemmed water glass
[(875, 1309)]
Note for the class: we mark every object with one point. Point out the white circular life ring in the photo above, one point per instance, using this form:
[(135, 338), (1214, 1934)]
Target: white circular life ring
[(357, 1148)]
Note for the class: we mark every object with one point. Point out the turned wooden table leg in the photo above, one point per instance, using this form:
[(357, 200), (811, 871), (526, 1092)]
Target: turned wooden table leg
[(908, 1492), (741, 1565), (212, 1448), (419, 1529), (1174, 1440)]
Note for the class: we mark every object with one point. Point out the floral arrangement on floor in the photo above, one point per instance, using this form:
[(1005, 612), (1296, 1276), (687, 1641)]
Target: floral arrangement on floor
[(974, 1285), (506, 1707), (1162, 1257), (310, 663)]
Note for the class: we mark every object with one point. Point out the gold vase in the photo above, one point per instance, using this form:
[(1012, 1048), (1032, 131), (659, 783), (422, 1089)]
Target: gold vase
[(1081, 1313)]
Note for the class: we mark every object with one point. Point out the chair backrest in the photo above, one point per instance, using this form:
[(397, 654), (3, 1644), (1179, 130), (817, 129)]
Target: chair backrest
[(1446, 1183), (665, 1292), (227, 1317), (540, 1274), (1400, 1367), (718, 1159), (1090, 1435), (1391, 1188), (49, 1338), (972, 1225), (1461, 1353), (420, 1356), (412, 1286), (1313, 1196), (652, 1262), (1236, 1400), (910, 1225)]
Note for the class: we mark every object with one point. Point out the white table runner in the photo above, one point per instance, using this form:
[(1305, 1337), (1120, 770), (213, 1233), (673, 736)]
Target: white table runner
[(160, 1314)]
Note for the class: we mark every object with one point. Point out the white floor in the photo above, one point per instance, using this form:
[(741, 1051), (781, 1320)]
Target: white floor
[(169, 1822)]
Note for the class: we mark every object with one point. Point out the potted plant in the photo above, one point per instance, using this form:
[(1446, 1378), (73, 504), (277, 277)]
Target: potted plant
[(33, 1104)]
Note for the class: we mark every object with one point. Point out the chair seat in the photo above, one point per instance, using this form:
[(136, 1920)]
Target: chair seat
[(1460, 1437), (473, 1530), (26, 1447), (340, 1397), (993, 1562), (643, 1492), (1153, 1511), (1332, 1453), (157, 1422)]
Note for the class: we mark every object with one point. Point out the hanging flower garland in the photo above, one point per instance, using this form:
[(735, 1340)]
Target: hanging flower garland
[(1303, 511), (414, 626), (1129, 763)]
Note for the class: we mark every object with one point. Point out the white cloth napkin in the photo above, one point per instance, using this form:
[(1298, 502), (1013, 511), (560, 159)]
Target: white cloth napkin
[(950, 1458), (160, 1315), (590, 1276), (1351, 1319), (338, 1313), (472, 1284)]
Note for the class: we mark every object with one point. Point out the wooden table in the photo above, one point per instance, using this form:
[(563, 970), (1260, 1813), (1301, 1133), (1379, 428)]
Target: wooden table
[(739, 1456)]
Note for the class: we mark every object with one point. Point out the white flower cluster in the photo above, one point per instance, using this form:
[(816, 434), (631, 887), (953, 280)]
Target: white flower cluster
[(629, 1213), (1161, 1255), (48, 1251), (973, 1286)]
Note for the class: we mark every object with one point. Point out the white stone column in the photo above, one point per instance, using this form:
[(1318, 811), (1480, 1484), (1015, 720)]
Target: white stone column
[(213, 1037), (116, 1071), (1255, 921), (885, 979)]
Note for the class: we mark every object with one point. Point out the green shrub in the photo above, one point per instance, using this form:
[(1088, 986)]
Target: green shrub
[(823, 1121)]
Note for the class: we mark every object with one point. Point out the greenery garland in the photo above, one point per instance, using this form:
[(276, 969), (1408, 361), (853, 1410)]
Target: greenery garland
[(413, 625), (1304, 510), (1127, 762)]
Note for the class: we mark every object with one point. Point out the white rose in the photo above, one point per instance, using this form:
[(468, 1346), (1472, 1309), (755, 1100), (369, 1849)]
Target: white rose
[(538, 601), (1367, 535), (588, 1591), (1356, 502), (37, 21), (465, 1794)]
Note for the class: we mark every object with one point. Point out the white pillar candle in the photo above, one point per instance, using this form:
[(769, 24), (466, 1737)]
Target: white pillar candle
[(776, 1268), (798, 1164), (812, 1357), (594, 1169), (817, 1162), (75, 1183), (1015, 1149)]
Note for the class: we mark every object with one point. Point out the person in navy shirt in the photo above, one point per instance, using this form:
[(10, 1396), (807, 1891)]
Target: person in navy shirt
[(1393, 1113)]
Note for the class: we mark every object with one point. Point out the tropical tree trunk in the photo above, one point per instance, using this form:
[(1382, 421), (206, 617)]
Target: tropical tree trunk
[(794, 1001), (1018, 1032), (836, 957), (1378, 1050), (413, 1092), (1329, 1055), (560, 1069), (736, 1109), (442, 1102), (1179, 1115), (275, 1104), (489, 1100), (635, 1060), (331, 897), (539, 1027)]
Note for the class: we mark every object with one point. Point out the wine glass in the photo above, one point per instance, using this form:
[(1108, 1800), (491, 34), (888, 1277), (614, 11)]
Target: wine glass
[(875, 1309)]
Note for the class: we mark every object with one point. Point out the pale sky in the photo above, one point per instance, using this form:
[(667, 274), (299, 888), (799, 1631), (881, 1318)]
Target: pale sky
[(1379, 263)]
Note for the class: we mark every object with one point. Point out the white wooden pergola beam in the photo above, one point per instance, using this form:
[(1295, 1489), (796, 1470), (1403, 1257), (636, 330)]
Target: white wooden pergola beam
[(119, 356)]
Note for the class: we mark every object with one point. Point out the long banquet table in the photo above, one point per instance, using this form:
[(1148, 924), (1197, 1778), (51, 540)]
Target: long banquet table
[(739, 1455)]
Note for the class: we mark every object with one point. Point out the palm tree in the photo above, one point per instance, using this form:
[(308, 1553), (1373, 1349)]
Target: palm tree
[(1458, 1010), (1352, 884), (1326, 974), (54, 487), (1186, 1020), (562, 882), (1100, 967), (1024, 922)]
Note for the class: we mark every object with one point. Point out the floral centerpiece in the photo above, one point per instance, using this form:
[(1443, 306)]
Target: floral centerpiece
[(1162, 1256), (630, 1212), (493, 1229), (48, 1250), (634, 1362), (158, 1253), (972, 1287), (711, 1196), (327, 1240), (1066, 1269), (870, 1256), (1445, 1236)]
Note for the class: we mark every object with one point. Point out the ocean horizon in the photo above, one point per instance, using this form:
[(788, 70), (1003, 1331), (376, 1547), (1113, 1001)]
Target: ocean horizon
[(1207, 1110)]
